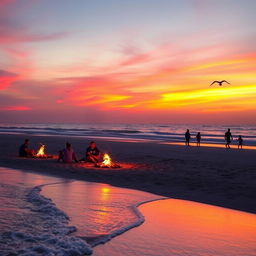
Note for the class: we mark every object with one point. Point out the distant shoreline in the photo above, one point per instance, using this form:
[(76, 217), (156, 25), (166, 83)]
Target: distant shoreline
[(211, 135)]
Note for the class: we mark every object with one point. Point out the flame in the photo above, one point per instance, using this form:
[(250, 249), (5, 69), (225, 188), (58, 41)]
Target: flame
[(106, 160), (41, 152)]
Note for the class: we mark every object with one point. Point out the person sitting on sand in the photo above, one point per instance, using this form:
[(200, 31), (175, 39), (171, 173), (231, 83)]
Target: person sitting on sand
[(93, 153), (198, 139), (67, 155), (240, 141), (228, 138), (187, 137), (24, 151)]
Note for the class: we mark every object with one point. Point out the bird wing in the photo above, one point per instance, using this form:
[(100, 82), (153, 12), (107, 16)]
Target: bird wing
[(224, 81), (214, 82)]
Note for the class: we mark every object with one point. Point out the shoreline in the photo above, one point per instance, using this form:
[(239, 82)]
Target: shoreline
[(123, 230), (178, 227), (215, 176)]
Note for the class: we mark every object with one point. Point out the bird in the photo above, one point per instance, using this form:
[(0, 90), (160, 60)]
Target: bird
[(219, 82)]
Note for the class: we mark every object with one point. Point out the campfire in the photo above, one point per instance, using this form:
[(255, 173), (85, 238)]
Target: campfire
[(41, 152), (107, 162)]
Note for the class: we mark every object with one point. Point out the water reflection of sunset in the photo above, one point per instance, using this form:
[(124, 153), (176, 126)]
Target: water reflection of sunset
[(95, 208), (104, 193), (211, 145), (178, 227)]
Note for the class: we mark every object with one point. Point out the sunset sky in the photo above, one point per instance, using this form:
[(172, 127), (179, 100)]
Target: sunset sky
[(118, 61)]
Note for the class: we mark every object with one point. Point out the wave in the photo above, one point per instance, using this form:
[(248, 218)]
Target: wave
[(140, 219), (210, 134), (55, 238)]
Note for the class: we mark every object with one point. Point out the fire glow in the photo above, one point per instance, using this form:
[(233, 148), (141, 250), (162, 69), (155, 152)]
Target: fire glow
[(41, 152), (107, 162)]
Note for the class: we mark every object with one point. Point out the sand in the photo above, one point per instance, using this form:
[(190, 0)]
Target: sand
[(216, 176)]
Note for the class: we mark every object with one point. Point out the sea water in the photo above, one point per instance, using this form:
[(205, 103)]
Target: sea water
[(42, 215), (158, 132), (31, 224)]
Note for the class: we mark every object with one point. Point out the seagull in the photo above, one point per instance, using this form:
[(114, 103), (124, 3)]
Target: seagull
[(219, 82)]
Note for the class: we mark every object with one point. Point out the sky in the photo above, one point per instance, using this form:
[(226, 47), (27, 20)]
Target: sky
[(118, 61)]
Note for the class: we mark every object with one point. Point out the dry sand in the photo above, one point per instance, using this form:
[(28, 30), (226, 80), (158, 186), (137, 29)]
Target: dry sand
[(215, 176)]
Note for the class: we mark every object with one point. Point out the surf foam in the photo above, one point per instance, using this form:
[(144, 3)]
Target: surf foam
[(55, 238)]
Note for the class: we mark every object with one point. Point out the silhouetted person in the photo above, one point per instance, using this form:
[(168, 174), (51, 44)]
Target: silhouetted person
[(228, 138), (24, 151), (92, 153), (240, 141), (198, 139), (187, 137), (67, 155)]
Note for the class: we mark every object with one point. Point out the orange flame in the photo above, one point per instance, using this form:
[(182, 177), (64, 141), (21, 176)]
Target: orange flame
[(41, 152), (106, 160)]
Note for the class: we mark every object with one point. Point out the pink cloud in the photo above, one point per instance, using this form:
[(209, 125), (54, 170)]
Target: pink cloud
[(19, 36), (6, 78), (6, 2), (16, 108)]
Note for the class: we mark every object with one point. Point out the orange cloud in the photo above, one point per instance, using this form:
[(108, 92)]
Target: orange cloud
[(171, 84)]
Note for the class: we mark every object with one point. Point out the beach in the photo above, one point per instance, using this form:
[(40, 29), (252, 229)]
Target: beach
[(45, 215), (215, 176)]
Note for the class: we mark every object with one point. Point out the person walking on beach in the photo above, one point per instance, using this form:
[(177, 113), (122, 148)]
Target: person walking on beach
[(24, 151), (187, 137), (198, 139), (228, 138), (240, 142), (67, 155)]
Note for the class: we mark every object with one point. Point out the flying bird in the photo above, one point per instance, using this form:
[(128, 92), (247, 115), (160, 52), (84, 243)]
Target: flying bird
[(219, 82)]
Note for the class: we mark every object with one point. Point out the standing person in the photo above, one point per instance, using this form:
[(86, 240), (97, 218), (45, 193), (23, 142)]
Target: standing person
[(67, 155), (198, 139), (187, 137), (240, 141), (92, 153), (24, 151), (228, 138)]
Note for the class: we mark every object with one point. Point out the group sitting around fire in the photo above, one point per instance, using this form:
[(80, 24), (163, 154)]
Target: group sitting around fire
[(92, 155), (66, 155)]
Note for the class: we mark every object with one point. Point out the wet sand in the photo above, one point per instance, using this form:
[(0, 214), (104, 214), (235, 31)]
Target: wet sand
[(178, 227), (216, 176)]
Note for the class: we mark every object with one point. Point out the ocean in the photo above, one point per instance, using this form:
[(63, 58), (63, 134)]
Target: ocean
[(43, 215), (170, 133)]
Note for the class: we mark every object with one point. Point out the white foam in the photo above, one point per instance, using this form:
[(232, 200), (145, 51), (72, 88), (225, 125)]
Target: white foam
[(55, 238)]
